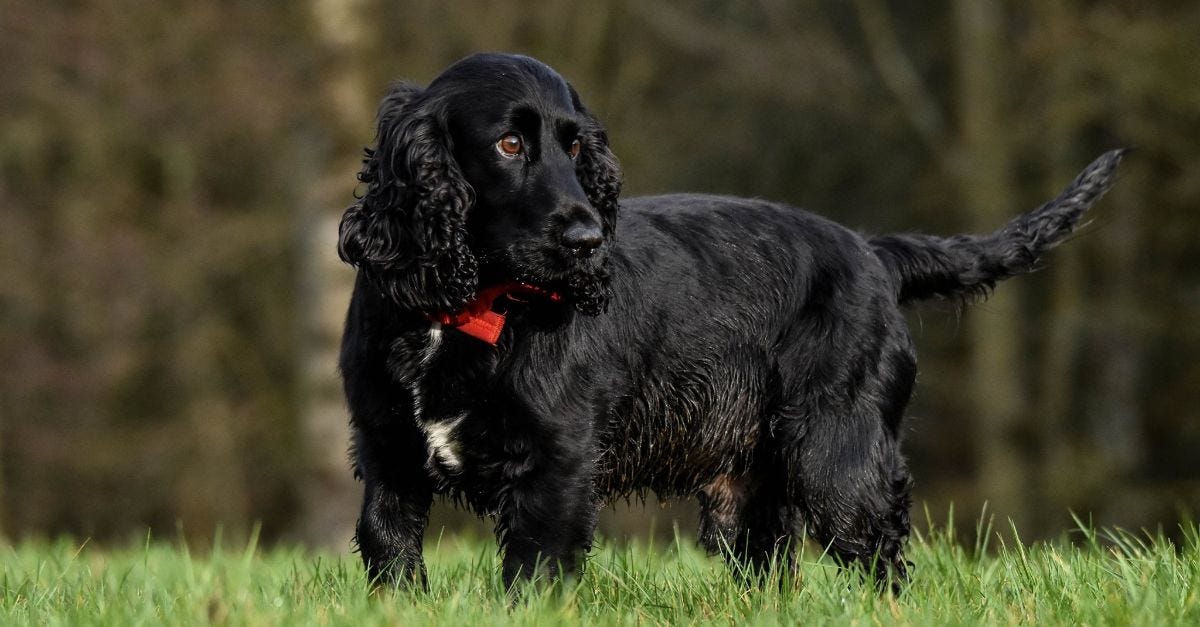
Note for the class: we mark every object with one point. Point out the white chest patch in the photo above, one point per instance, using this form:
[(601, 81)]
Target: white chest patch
[(439, 434), (427, 354), (435, 340), (442, 445)]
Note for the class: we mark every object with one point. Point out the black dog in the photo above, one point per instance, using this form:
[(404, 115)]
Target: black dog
[(510, 346)]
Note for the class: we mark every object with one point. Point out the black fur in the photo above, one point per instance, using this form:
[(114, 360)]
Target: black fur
[(744, 352)]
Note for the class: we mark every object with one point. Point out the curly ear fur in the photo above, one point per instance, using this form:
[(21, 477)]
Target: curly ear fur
[(600, 175), (598, 169), (407, 233)]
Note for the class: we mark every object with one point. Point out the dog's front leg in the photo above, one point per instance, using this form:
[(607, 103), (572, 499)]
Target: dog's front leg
[(389, 534), (396, 499), (546, 520)]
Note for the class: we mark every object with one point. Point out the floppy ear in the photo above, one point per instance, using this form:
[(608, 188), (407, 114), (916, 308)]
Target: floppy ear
[(598, 170), (407, 233), (600, 176)]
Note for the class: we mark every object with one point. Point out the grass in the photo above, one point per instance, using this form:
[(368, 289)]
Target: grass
[(1095, 578)]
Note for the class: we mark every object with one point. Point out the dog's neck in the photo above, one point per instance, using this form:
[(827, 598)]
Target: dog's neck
[(479, 318)]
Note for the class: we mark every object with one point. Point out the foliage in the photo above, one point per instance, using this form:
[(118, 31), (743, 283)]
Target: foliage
[(149, 184), (166, 169)]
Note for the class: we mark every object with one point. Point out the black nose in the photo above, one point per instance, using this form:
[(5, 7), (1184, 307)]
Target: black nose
[(582, 237)]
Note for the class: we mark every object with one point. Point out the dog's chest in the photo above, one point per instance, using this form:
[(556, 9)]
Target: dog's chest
[(444, 385)]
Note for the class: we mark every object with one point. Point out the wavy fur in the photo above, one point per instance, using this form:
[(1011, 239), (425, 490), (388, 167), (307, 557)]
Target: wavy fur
[(927, 266), (745, 353)]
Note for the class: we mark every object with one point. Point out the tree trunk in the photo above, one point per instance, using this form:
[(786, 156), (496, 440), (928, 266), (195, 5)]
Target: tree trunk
[(329, 496), (1114, 417), (1062, 322), (984, 173)]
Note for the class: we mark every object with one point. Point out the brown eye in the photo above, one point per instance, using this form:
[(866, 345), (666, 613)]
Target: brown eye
[(574, 149), (509, 146)]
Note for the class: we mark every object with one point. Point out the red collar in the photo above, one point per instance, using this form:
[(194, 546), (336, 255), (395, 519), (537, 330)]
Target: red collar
[(478, 320)]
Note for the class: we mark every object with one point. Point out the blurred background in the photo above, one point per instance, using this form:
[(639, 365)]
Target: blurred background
[(172, 174)]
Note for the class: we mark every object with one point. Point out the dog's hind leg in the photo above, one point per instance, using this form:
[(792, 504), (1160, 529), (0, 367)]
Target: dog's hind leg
[(839, 440), (721, 501), (750, 523), (854, 488)]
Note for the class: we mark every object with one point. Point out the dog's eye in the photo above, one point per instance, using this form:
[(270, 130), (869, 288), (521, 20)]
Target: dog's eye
[(574, 149), (509, 146)]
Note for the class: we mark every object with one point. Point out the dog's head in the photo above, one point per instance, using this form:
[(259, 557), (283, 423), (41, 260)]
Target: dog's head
[(495, 172)]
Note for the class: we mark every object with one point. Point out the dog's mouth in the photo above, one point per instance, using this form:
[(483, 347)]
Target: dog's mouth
[(579, 280)]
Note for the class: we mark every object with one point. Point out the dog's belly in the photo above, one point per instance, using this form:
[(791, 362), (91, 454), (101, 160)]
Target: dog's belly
[(674, 466), (683, 432)]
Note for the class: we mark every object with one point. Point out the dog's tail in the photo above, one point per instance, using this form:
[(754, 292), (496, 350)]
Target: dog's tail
[(926, 266)]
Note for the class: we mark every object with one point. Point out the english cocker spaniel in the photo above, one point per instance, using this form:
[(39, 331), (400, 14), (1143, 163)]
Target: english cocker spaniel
[(515, 345)]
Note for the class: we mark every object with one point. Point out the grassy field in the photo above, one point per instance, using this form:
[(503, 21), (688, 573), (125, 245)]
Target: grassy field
[(1096, 578)]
